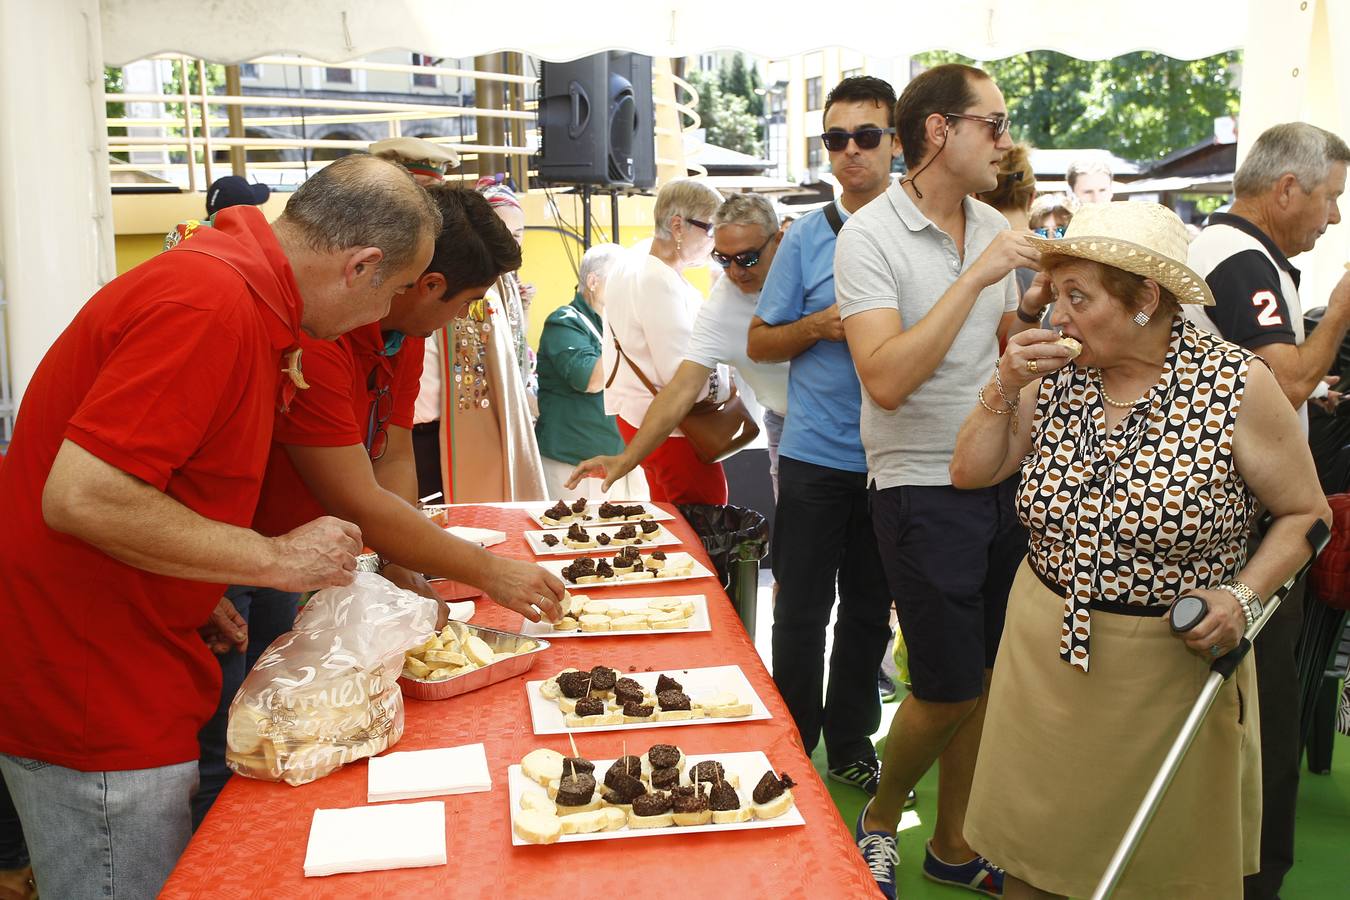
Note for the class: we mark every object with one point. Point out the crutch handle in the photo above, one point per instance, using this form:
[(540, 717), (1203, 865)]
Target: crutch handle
[(1186, 613)]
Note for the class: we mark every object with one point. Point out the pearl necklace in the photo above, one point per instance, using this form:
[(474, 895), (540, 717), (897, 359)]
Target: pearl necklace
[(1101, 388)]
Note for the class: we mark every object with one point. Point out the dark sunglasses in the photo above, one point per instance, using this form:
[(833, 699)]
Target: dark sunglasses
[(746, 260), (998, 123), (706, 226), (866, 138), (1056, 232)]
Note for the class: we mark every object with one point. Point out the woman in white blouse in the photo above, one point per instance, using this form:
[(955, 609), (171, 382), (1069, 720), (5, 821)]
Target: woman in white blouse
[(649, 314)]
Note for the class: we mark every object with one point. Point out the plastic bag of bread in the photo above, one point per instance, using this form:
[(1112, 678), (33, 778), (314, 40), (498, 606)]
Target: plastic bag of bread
[(327, 692)]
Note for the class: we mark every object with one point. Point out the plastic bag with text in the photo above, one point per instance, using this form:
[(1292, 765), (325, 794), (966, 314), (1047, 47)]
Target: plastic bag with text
[(326, 693)]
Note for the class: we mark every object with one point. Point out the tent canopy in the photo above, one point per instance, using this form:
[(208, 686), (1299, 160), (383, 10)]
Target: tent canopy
[(339, 30)]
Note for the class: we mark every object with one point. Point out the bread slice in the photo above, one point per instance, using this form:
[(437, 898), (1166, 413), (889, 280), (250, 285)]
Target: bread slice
[(537, 827), (774, 808), (600, 819), (594, 803), (665, 820), (595, 622), (609, 718), (595, 608), (538, 803), (542, 766), (673, 715), (702, 817), (566, 623), (731, 816), (477, 650), (628, 623)]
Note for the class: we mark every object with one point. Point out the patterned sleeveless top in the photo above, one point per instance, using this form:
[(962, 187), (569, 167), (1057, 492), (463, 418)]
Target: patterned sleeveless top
[(1152, 509)]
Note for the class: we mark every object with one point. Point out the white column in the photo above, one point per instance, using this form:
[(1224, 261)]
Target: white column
[(56, 230), (1295, 69)]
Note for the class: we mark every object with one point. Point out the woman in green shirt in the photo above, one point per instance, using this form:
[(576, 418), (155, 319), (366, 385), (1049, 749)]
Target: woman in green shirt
[(572, 424)]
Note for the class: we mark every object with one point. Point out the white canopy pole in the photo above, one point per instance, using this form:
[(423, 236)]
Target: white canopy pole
[(1295, 69), (56, 230)]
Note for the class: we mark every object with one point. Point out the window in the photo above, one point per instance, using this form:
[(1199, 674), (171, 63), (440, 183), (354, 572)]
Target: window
[(337, 76), (851, 73), (815, 153), (425, 79), (250, 70), (813, 95)]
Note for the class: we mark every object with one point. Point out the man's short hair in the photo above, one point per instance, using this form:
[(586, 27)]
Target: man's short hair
[(1294, 148), (686, 198), (361, 201), (861, 88), (1088, 165), (598, 260), (748, 209), (941, 89), (474, 247)]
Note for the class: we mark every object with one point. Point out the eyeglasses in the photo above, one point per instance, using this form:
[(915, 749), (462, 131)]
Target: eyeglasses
[(866, 138), (1056, 232), (377, 434), (706, 226), (998, 123), (746, 260)]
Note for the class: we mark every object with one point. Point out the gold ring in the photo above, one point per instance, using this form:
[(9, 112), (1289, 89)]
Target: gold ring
[(1031, 366)]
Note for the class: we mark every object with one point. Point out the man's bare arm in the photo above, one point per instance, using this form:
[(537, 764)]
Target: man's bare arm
[(134, 523), (767, 343)]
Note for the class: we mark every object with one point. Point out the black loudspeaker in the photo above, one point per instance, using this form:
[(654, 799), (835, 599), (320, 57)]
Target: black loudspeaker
[(596, 122)]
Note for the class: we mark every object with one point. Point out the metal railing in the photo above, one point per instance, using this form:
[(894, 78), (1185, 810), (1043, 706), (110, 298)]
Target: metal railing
[(189, 141)]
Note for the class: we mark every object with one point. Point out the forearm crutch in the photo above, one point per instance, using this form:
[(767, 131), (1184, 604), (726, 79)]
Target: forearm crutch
[(1185, 614)]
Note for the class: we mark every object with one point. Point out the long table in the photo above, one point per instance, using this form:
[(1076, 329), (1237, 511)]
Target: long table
[(253, 842)]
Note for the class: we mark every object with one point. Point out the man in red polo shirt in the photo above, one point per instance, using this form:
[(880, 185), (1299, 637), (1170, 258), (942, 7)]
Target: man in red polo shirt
[(134, 472), (345, 447)]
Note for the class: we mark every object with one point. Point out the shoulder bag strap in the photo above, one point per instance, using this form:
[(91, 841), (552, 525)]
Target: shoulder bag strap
[(646, 382), (832, 216)]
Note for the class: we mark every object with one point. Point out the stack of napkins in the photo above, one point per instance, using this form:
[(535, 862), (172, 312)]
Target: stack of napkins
[(372, 838), (484, 537), (428, 773)]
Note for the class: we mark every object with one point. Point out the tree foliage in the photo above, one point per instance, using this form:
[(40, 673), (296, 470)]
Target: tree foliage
[(730, 119), (1140, 106)]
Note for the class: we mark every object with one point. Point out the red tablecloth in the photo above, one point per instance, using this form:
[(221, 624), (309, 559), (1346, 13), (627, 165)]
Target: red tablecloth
[(253, 842)]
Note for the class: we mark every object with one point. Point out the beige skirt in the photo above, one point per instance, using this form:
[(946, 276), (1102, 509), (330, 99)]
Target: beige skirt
[(1067, 756)]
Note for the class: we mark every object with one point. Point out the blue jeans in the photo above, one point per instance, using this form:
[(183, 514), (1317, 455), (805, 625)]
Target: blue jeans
[(270, 614), (102, 835), (773, 433)]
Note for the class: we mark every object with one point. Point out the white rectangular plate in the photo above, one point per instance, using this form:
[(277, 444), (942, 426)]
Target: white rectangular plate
[(538, 509), (700, 684), (749, 767), (662, 538), (557, 565), (699, 621)]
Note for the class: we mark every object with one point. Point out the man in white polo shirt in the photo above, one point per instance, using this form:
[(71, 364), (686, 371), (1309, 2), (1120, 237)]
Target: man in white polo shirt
[(925, 286), (1286, 190)]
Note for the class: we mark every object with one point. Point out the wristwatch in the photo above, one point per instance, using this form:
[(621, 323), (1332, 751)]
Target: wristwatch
[(1247, 598), (1027, 317)]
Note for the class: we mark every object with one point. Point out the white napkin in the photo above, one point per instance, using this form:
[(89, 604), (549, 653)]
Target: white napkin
[(371, 838), (484, 537), (428, 773)]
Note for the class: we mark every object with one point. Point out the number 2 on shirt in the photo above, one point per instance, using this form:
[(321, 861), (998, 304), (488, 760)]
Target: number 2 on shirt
[(1270, 308)]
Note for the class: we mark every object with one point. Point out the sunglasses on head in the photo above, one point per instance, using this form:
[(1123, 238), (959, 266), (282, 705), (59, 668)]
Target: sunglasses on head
[(746, 260), (1056, 232), (866, 138), (999, 124)]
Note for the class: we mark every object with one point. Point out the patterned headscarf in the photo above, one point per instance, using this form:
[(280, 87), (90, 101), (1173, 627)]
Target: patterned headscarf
[(496, 189)]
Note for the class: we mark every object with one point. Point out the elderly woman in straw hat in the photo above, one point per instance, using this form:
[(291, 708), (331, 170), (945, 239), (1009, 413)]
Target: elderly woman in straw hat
[(1145, 447)]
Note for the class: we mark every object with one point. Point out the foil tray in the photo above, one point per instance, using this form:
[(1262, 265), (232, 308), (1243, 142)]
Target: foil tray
[(500, 642)]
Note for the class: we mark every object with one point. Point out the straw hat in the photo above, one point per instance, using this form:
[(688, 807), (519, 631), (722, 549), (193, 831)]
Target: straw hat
[(1147, 239)]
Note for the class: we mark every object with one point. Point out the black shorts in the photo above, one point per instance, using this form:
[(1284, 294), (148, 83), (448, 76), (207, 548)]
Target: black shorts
[(950, 558)]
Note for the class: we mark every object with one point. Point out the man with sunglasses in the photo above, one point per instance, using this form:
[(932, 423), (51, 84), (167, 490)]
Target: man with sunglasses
[(346, 444), (925, 291), (746, 234), (822, 527)]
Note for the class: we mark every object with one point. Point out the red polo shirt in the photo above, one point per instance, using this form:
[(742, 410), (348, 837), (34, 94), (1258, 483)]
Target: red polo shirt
[(347, 379), (171, 374)]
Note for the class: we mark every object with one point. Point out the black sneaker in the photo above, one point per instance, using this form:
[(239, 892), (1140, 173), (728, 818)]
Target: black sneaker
[(886, 686), (862, 773)]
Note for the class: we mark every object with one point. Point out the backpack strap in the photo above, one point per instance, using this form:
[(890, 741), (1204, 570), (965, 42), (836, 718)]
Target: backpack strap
[(832, 216)]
